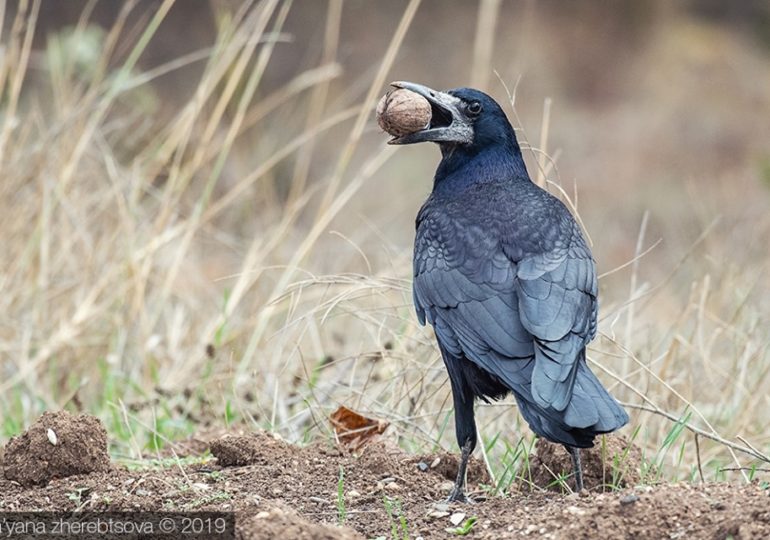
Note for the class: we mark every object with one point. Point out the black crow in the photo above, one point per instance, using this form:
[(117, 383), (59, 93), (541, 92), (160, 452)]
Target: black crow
[(503, 274)]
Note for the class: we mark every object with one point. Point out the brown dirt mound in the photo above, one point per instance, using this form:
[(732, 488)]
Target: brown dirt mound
[(612, 463), (446, 464), (239, 450), (56, 445)]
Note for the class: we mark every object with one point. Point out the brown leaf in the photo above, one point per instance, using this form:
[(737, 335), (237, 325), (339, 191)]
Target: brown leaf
[(354, 430)]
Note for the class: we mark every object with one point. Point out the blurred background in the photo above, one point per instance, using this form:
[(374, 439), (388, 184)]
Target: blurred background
[(204, 227)]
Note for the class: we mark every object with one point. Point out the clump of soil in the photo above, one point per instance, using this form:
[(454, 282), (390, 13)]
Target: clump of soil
[(240, 450), (56, 445), (446, 464), (612, 463)]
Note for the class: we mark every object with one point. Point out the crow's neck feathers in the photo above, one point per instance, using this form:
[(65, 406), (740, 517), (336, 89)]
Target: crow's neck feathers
[(494, 156), (462, 167)]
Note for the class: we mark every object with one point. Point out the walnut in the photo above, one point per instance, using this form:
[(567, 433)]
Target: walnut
[(401, 112)]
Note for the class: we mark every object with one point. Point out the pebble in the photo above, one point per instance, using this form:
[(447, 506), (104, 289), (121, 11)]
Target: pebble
[(629, 499), (52, 438), (422, 466), (446, 486), (457, 518), (441, 507), (392, 486), (262, 515), (435, 463), (575, 511), (438, 513)]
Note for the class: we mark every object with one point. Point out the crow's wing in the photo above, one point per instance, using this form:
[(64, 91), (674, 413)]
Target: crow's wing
[(464, 285), (557, 293), (500, 312)]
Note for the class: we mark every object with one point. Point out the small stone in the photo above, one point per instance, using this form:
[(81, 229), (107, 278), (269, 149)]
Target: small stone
[(435, 463), (446, 486), (353, 494), (441, 507), (388, 480), (575, 511), (392, 486), (52, 438), (457, 518), (422, 466), (629, 499), (262, 515), (438, 514), (199, 486)]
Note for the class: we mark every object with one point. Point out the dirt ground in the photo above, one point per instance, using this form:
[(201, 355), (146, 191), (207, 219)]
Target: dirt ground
[(283, 491)]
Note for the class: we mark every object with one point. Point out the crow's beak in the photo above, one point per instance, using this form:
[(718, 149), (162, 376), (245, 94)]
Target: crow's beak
[(448, 122)]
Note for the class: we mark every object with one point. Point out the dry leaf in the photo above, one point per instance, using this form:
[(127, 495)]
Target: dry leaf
[(354, 430)]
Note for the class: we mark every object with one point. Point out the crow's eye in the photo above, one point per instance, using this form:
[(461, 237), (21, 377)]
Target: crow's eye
[(474, 108)]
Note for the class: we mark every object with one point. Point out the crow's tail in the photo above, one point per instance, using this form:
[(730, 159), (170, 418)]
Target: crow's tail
[(590, 412), (611, 415)]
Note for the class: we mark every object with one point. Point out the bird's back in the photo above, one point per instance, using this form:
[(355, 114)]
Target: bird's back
[(504, 275)]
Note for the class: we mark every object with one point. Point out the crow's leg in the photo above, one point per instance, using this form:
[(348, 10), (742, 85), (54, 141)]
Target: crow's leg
[(465, 420), (458, 491), (577, 470), (465, 429)]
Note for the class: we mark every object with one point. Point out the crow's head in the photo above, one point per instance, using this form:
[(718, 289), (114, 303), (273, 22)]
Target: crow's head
[(461, 117)]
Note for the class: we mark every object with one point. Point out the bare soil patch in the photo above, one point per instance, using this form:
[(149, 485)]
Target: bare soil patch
[(281, 490)]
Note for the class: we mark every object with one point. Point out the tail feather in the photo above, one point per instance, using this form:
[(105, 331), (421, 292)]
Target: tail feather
[(591, 412), (611, 415)]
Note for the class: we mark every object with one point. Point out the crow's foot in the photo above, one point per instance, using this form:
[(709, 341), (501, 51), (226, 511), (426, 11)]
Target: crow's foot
[(457, 495)]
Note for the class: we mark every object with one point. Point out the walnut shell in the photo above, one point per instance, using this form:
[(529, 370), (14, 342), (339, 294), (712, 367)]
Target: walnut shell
[(401, 112)]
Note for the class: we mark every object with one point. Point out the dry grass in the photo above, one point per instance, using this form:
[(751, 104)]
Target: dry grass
[(199, 269)]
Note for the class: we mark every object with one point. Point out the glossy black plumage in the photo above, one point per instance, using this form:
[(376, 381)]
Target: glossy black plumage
[(503, 274)]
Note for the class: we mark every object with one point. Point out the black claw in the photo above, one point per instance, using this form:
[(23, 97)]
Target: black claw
[(459, 496)]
